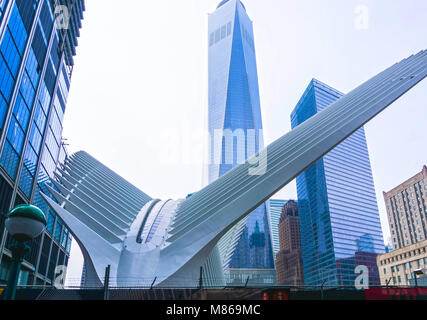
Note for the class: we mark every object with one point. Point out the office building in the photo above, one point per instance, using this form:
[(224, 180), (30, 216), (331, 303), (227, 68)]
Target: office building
[(339, 218), (37, 43), (406, 207), (275, 211), (289, 268), (235, 114), (397, 267)]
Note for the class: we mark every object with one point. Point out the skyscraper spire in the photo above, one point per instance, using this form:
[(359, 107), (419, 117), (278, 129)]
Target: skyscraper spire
[(222, 3), (225, 1)]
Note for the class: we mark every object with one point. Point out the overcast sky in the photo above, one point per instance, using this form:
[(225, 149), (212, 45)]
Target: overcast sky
[(140, 78)]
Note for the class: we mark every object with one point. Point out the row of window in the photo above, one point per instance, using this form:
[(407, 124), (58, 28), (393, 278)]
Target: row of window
[(404, 255), (408, 266), (19, 125), (51, 255), (220, 34), (11, 47), (398, 279), (24, 101), (34, 145), (248, 38), (12, 50), (60, 233), (410, 200)]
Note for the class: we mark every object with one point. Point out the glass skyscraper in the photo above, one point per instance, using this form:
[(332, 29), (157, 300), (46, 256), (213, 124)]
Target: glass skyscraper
[(339, 218), (38, 39), (276, 207), (235, 116)]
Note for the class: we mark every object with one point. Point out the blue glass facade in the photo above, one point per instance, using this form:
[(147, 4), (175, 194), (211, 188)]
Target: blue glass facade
[(275, 207), (35, 73), (339, 218), (235, 113)]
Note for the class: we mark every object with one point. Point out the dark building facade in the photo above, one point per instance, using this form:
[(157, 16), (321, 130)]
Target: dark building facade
[(38, 40), (289, 268)]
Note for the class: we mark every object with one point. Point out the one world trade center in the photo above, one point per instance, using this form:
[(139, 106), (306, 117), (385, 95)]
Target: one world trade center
[(235, 127)]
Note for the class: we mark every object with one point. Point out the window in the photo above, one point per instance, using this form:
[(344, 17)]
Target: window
[(58, 230), (211, 39), (228, 28), (220, 34), (223, 32), (64, 238), (217, 35), (69, 243), (50, 221)]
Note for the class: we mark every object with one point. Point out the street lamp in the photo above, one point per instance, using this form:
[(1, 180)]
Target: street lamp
[(24, 223)]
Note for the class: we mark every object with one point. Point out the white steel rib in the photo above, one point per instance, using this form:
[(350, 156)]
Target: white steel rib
[(99, 206)]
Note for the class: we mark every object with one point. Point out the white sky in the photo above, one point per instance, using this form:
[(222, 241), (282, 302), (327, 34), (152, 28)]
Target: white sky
[(138, 99)]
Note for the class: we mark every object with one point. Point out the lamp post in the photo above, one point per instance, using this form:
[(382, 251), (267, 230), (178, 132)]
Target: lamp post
[(24, 223)]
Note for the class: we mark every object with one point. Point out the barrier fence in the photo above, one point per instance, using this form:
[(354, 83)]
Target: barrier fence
[(225, 293)]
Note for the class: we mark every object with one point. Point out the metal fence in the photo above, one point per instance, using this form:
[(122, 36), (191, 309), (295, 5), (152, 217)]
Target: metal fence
[(226, 293)]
